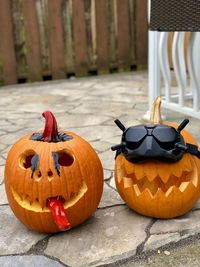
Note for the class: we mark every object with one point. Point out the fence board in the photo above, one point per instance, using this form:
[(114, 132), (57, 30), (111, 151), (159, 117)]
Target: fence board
[(112, 30), (141, 32), (132, 32), (79, 34), (102, 35), (42, 15), (67, 26), (56, 39), (19, 39), (7, 43), (32, 41), (123, 25)]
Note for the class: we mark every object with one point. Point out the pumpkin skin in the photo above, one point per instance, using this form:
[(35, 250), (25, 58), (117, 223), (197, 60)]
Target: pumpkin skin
[(160, 189), (80, 183)]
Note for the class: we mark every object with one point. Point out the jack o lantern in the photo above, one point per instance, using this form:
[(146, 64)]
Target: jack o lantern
[(157, 169), (54, 179)]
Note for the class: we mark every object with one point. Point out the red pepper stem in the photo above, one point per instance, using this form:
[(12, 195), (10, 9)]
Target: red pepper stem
[(51, 128)]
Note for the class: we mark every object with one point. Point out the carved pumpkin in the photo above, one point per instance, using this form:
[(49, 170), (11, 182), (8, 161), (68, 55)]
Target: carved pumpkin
[(159, 189), (54, 180)]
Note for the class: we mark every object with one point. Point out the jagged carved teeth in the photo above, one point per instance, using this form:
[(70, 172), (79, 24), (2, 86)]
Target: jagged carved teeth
[(39, 205), (153, 169), (181, 183), (39, 200)]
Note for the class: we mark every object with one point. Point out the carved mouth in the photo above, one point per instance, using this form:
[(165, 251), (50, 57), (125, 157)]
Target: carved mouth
[(36, 207), (142, 183), (157, 184)]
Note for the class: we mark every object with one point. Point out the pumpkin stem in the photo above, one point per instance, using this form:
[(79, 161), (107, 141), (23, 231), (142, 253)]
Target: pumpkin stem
[(50, 132), (155, 116)]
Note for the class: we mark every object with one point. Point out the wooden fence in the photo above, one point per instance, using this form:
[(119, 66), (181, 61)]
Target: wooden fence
[(54, 39)]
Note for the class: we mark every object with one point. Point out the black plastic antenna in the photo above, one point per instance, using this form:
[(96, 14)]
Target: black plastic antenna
[(120, 125), (192, 149), (182, 125), (116, 147), (182, 147)]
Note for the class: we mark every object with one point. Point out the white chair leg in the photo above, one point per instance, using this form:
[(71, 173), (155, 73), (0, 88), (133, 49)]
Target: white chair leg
[(153, 69)]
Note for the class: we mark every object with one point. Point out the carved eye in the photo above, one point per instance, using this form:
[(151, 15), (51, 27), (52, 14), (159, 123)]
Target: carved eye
[(62, 158), (65, 159), (25, 160)]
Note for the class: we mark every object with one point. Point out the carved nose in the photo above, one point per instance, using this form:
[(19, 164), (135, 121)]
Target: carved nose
[(50, 175), (37, 175)]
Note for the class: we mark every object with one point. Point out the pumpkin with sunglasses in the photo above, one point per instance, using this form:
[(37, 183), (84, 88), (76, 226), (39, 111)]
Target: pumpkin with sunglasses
[(53, 179), (157, 167)]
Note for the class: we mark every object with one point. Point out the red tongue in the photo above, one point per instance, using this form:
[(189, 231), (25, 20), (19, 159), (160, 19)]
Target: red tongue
[(58, 213)]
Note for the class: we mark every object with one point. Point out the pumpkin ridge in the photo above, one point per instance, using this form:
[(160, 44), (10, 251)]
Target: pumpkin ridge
[(25, 183)]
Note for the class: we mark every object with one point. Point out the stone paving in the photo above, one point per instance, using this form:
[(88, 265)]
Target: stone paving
[(115, 234)]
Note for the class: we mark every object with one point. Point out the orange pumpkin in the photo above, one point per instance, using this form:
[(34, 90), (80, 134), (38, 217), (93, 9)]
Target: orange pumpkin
[(54, 180), (159, 189)]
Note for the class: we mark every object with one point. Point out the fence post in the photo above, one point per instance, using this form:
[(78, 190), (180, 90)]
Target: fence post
[(7, 43), (101, 15), (123, 28), (32, 41), (80, 40), (141, 33), (57, 49)]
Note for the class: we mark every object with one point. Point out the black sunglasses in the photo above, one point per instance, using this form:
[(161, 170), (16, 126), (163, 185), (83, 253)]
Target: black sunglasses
[(157, 141)]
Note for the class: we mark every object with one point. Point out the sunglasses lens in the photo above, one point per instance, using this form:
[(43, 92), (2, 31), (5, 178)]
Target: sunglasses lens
[(135, 134), (165, 134)]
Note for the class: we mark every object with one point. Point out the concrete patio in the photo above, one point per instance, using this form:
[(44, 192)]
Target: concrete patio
[(115, 235)]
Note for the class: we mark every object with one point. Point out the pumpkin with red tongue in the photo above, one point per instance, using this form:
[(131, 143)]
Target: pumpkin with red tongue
[(53, 179)]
